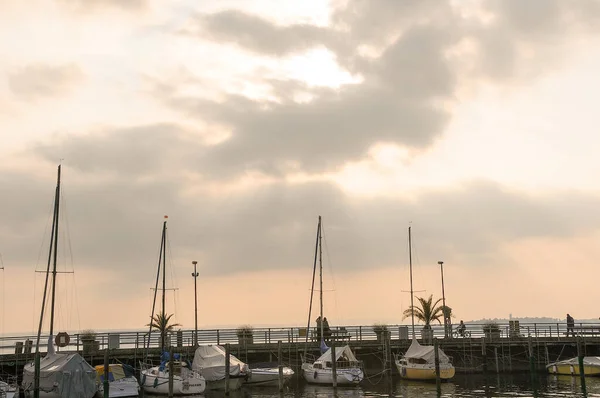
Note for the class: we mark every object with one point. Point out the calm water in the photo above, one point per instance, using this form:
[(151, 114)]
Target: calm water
[(461, 386)]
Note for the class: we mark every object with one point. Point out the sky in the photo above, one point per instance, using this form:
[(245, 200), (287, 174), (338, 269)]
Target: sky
[(473, 121)]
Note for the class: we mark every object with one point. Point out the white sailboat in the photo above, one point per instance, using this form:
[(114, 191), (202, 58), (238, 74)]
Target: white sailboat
[(121, 381), (60, 374), (418, 362), (156, 379), (320, 371)]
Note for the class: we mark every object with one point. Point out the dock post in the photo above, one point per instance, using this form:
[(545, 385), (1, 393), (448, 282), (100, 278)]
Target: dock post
[(227, 368), (105, 384), (280, 362), (484, 355), (532, 365), (496, 356), (333, 366), (171, 371), (438, 385), (388, 341), (580, 356), (36, 377)]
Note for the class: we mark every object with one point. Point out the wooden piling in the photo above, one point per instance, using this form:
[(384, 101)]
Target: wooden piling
[(105, 383), (36, 382), (227, 368), (333, 366), (484, 355), (171, 372), (280, 363), (496, 356), (580, 356), (438, 384)]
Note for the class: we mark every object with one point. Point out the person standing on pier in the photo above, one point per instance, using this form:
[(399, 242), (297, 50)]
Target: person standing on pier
[(570, 325), (318, 321)]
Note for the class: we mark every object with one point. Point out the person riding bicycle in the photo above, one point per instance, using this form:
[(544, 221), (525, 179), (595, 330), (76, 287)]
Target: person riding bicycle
[(461, 329)]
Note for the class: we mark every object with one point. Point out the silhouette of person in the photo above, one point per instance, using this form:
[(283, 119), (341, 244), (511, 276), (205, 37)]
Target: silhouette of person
[(326, 330), (461, 328), (570, 325), (318, 321)]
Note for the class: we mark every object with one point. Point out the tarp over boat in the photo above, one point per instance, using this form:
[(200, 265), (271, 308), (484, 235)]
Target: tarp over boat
[(425, 352), (209, 360), (341, 353), (72, 375), (116, 371), (587, 361)]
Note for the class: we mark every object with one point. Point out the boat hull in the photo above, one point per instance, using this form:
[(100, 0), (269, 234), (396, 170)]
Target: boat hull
[(235, 383), (573, 370), (343, 377), (268, 376), (127, 387), (424, 371), (157, 382)]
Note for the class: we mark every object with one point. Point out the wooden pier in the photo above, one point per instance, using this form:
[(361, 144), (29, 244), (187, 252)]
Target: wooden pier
[(507, 349)]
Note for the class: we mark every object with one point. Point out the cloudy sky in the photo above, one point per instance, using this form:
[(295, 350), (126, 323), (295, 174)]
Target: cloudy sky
[(244, 120)]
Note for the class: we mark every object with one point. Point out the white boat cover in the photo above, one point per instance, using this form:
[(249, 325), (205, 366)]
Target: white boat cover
[(340, 352), (70, 372), (209, 360), (589, 361), (425, 352)]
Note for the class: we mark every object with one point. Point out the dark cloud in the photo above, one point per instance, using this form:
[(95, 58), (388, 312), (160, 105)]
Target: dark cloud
[(138, 151), (39, 81), (258, 34), (400, 97), (115, 221)]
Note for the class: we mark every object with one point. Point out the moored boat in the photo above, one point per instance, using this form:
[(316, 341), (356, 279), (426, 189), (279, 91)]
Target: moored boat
[(591, 367), (267, 374), (121, 379), (209, 361), (348, 370)]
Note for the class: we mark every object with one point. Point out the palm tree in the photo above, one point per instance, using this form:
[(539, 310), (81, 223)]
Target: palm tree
[(161, 322), (427, 312)]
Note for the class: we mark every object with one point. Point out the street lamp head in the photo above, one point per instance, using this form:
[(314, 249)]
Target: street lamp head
[(440, 262), (194, 262)]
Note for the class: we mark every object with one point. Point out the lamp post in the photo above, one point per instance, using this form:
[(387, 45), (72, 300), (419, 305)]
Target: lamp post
[(195, 275), (441, 263)]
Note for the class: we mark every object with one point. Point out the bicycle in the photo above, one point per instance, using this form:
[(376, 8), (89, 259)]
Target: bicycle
[(465, 334)]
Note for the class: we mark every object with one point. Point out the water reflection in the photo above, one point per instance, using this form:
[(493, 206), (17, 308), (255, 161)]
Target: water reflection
[(463, 386)]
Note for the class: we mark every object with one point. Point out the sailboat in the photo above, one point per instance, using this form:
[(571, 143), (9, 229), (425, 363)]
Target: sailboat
[(156, 380), (320, 371), (418, 362), (58, 374)]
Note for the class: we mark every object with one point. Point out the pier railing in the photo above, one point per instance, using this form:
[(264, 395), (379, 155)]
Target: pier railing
[(83, 342)]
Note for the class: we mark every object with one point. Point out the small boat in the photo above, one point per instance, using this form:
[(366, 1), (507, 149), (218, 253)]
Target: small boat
[(209, 361), (320, 371), (8, 390), (267, 374), (121, 379), (186, 381), (591, 367), (418, 362), (60, 374), (348, 370)]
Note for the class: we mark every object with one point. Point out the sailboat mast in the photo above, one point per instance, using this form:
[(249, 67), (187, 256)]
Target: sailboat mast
[(52, 233), (56, 214), (312, 288), (320, 232), (412, 307), (164, 258)]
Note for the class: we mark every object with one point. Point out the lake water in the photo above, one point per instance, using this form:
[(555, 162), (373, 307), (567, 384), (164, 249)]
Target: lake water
[(461, 386)]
